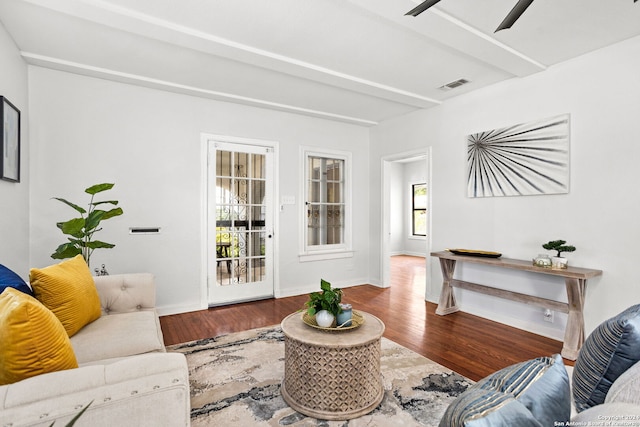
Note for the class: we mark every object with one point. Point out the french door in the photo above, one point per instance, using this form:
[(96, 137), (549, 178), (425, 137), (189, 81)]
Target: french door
[(240, 222)]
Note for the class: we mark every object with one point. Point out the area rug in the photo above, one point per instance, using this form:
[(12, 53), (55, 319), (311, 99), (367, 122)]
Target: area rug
[(235, 381)]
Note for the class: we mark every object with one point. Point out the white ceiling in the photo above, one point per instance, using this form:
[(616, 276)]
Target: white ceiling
[(359, 61)]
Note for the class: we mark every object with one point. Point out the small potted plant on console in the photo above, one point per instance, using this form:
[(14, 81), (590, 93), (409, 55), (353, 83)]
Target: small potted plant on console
[(559, 246)]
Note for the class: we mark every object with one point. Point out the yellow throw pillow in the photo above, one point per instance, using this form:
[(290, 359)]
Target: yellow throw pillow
[(68, 290), (33, 339)]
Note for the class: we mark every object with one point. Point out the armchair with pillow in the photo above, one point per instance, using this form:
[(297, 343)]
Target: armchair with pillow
[(603, 388), (74, 339)]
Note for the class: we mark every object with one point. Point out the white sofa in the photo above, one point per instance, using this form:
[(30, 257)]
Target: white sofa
[(124, 370)]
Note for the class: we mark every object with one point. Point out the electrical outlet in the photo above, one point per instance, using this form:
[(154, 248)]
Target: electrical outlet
[(548, 316)]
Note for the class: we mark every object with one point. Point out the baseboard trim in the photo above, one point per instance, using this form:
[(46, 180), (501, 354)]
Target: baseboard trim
[(306, 289), (167, 310), (524, 325)]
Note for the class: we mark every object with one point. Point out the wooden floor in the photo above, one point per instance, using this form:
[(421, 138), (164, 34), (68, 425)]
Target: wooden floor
[(472, 346)]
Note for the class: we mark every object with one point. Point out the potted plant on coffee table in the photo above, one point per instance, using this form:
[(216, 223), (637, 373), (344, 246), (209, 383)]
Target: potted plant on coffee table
[(325, 305)]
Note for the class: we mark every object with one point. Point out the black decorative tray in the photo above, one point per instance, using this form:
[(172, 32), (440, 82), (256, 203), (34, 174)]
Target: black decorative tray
[(472, 252)]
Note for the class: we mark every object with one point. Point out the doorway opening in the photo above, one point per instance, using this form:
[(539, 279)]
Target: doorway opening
[(402, 175)]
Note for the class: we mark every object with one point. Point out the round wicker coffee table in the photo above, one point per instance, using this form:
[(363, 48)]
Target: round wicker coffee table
[(332, 375)]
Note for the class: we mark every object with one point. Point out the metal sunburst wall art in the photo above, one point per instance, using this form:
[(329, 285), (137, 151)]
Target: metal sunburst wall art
[(525, 159)]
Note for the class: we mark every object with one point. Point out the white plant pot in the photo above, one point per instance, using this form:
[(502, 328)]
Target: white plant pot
[(324, 319), (559, 262)]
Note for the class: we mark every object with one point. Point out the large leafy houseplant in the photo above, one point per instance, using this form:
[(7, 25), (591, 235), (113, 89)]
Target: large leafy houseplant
[(83, 228)]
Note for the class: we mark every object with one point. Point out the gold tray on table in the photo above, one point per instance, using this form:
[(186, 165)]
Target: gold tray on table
[(356, 321)]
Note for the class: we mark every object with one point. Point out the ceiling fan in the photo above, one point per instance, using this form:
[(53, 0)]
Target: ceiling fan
[(512, 17)]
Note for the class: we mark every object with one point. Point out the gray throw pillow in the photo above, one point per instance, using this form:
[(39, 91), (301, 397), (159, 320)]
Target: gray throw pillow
[(611, 349), (532, 393)]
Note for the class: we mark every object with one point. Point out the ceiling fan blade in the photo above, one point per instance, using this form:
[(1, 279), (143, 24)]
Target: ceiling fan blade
[(421, 7), (515, 13)]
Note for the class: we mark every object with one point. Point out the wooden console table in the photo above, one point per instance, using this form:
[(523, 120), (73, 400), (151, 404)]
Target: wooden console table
[(575, 281)]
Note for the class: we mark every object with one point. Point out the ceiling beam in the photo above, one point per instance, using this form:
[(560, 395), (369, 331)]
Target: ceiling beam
[(144, 81), (114, 16)]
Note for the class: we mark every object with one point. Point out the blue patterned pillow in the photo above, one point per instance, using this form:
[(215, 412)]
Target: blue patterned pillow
[(611, 349), (9, 279), (477, 407), (532, 393)]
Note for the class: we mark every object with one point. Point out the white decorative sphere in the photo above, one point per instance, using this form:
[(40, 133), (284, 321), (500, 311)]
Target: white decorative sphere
[(324, 319)]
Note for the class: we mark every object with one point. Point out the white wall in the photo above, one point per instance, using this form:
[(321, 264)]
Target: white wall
[(87, 130), (14, 197), (599, 215), (397, 217)]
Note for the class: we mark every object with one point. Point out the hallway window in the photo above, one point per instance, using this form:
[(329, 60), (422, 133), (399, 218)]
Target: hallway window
[(326, 202), (419, 209)]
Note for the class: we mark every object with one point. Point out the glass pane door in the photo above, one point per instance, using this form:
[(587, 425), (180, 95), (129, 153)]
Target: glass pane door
[(242, 223)]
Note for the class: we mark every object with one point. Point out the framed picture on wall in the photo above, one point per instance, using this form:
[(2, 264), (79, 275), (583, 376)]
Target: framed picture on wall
[(10, 134), (520, 160)]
